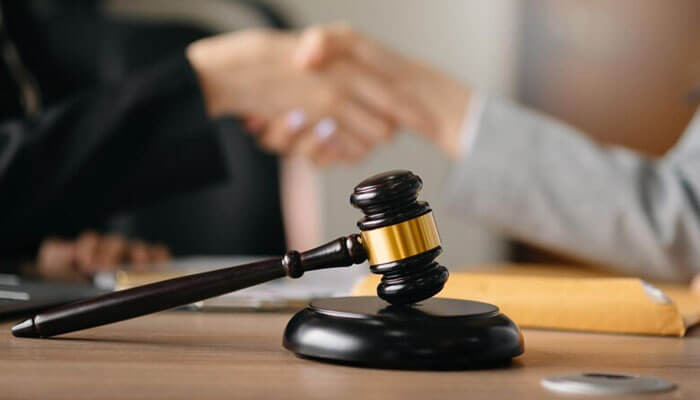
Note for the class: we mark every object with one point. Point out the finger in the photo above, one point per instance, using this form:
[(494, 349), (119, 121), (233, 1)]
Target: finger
[(380, 94), (293, 135), (159, 253), (340, 147), (309, 142), (254, 124), (56, 259), (138, 254), (329, 153), (323, 159), (352, 146), (339, 143), (366, 124), (323, 141), (111, 251), (86, 250), (349, 144), (320, 142), (375, 85), (282, 132)]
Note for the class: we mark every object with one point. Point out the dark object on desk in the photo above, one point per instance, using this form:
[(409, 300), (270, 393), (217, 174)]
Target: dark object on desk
[(159, 296), (400, 237), (20, 296), (400, 240), (434, 334)]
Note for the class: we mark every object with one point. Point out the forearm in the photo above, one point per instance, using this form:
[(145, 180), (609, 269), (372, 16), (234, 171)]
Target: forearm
[(545, 183)]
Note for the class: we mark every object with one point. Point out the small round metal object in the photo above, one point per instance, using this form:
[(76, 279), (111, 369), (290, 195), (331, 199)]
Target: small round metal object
[(594, 383), (434, 334)]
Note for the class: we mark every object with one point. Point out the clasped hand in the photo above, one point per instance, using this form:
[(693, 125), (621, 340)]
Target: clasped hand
[(327, 93)]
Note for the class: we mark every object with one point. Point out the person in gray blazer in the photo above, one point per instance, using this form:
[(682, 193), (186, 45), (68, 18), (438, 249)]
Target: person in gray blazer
[(536, 178)]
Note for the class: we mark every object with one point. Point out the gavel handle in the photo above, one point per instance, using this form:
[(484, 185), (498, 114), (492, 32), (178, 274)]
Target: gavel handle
[(147, 299)]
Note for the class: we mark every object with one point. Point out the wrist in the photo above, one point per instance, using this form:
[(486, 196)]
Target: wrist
[(216, 76), (194, 56), (450, 110)]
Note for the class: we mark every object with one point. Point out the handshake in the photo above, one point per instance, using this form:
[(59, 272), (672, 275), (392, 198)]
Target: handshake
[(328, 93)]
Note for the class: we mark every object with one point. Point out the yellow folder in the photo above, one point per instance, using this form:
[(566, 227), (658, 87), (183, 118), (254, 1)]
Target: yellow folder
[(573, 299)]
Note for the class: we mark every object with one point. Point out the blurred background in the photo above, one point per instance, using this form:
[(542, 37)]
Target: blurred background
[(618, 70), (473, 40)]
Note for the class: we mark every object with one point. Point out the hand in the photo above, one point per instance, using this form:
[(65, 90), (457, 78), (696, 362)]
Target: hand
[(336, 114), (90, 252), (444, 98)]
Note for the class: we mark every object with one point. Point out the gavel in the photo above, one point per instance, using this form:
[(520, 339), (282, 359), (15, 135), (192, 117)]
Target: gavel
[(398, 237)]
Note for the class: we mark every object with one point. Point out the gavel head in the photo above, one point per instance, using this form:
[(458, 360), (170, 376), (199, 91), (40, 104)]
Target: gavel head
[(400, 237)]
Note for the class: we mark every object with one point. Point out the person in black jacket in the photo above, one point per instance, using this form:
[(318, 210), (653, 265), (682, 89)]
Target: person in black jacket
[(87, 133)]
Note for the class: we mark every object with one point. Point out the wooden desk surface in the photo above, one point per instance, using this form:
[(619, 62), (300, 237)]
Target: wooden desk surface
[(179, 355)]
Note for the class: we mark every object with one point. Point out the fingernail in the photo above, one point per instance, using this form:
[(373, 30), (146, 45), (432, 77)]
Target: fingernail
[(296, 119), (325, 128)]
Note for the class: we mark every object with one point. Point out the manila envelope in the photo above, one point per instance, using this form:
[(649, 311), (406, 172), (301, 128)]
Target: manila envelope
[(572, 298)]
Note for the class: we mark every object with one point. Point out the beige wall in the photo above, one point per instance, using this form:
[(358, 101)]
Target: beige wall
[(473, 40)]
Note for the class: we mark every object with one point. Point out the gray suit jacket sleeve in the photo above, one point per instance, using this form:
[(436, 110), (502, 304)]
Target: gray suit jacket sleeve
[(543, 182)]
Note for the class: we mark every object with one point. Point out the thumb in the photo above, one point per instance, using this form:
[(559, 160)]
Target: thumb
[(321, 44)]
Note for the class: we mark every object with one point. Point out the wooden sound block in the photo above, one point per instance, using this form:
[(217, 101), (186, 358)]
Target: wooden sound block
[(434, 334)]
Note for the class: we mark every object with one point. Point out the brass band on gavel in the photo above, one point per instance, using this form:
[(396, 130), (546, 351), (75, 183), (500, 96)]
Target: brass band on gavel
[(405, 239)]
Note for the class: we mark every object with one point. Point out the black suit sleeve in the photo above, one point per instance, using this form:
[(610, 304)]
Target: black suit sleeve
[(104, 151)]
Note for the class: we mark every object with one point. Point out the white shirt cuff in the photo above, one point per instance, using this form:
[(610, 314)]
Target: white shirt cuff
[(470, 125)]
